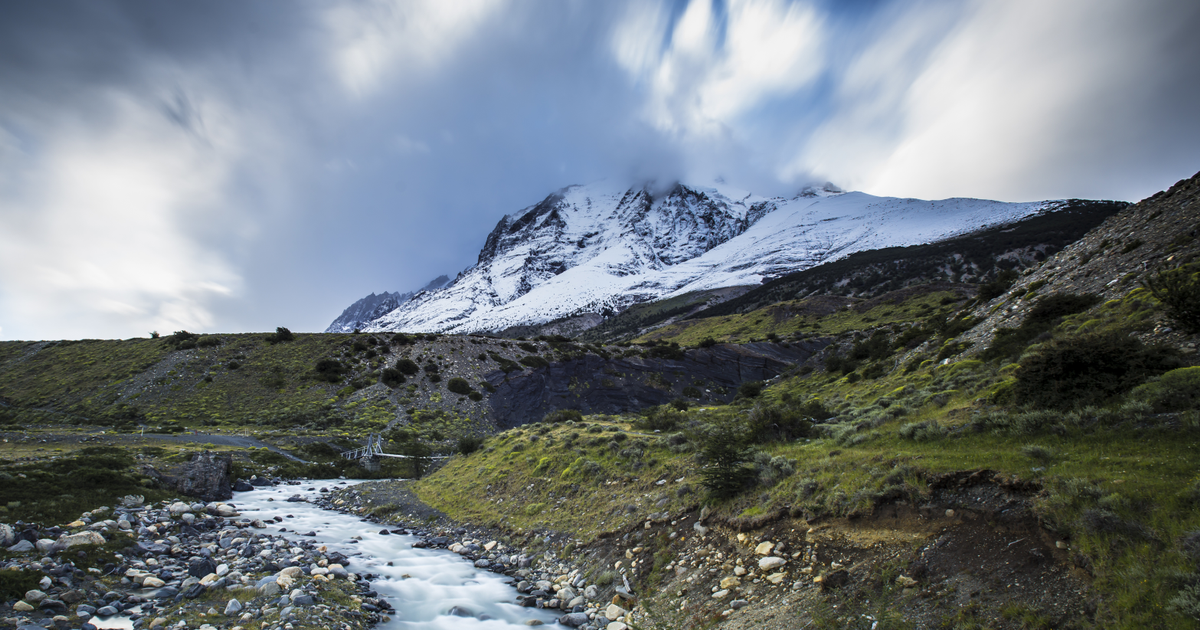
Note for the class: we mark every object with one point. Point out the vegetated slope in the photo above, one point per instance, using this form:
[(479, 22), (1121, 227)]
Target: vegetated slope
[(374, 306), (1047, 481), (441, 387), (601, 248), (1112, 262)]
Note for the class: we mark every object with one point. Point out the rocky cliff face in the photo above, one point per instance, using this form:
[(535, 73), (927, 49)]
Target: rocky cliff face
[(601, 248), (592, 384)]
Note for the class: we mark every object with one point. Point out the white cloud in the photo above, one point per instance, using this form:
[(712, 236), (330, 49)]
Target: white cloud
[(106, 229), (1021, 99), (376, 40), (699, 84)]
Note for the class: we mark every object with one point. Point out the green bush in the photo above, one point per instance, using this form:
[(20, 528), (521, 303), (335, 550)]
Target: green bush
[(392, 377), (708, 342), (534, 361), (692, 392), (181, 340), (459, 385), (468, 444), (208, 341), (330, 370), (407, 366), (1177, 390), (661, 418), (768, 423), (563, 415), (1087, 370), (401, 339), (671, 352), (996, 287), (922, 431), (280, 335), (750, 389), (1179, 291)]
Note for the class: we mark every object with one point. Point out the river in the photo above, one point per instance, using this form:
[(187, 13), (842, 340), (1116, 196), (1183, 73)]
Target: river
[(423, 585)]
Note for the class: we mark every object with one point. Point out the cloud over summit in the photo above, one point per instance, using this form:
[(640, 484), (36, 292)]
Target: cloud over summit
[(228, 166)]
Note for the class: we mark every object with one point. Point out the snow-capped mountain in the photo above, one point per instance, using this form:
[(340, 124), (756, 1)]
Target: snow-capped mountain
[(603, 247), (372, 307)]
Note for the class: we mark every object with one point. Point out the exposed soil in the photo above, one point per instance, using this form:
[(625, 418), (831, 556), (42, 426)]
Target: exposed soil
[(974, 553)]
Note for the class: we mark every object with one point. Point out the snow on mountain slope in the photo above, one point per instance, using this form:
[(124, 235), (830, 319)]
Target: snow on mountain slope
[(603, 247)]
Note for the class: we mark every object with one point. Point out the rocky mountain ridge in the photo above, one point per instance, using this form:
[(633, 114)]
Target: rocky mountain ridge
[(600, 248), (375, 306)]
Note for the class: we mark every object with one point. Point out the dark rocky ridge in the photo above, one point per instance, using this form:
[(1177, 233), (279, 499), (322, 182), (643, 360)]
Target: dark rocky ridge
[(592, 384)]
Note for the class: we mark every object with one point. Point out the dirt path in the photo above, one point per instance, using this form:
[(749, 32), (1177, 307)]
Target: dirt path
[(223, 440)]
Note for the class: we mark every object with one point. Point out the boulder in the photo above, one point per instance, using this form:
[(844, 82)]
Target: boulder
[(82, 538), (241, 486), (22, 546), (205, 477), (8, 537)]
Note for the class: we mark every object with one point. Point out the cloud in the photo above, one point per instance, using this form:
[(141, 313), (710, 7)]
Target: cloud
[(1017, 100), (375, 41), (107, 230), (713, 68)]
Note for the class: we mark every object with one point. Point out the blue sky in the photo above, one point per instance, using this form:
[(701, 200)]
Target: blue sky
[(229, 166)]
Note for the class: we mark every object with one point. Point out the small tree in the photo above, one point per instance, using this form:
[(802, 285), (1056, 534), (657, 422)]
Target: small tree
[(726, 453)]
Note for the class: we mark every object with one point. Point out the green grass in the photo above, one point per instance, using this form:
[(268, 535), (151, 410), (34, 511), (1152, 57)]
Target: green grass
[(820, 316)]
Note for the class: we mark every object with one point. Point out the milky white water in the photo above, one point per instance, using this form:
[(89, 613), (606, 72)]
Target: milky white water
[(422, 584)]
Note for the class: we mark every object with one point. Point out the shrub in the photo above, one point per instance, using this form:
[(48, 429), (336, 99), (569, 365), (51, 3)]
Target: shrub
[(922, 431), (692, 392), (1177, 390), (708, 342), (208, 341), (407, 366), (459, 385), (750, 389), (672, 352), (534, 361), (280, 335), (181, 340), (563, 415), (996, 287), (1087, 369), (475, 396), (330, 370), (392, 377), (468, 444), (769, 423), (401, 339), (1179, 291), (662, 418)]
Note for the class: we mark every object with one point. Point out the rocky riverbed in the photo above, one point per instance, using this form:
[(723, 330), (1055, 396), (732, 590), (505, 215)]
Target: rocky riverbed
[(543, 579), (179, 565)]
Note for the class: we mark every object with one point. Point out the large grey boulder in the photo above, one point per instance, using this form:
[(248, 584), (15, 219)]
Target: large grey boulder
[(206, 477)]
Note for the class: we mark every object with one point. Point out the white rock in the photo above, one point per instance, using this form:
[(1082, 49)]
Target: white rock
[(614, 611), (764, 548), (771, 562)]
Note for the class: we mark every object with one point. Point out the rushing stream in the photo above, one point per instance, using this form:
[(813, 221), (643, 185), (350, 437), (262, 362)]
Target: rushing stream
[(423, 585)]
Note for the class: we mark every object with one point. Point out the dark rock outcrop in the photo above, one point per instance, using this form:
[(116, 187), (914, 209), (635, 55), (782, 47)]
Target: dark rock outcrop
[(206, 477), (593, 384)]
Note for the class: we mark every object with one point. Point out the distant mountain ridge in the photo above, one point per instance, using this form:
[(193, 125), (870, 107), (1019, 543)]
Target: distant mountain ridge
[(600, 248), (375, 306)]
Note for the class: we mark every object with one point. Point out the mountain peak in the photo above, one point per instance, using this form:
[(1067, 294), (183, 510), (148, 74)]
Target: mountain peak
[(602, 247)]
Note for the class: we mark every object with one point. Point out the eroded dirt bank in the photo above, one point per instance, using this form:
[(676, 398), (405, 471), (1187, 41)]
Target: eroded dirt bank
[(972, 555)]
